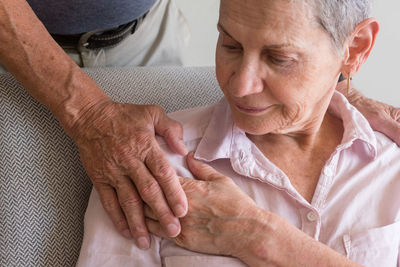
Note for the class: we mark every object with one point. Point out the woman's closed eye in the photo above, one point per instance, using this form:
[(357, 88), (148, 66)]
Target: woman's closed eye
[(230, 45), (280, 61), (232, 48)]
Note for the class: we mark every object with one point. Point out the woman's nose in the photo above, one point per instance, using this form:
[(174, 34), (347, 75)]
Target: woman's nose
[(246, 81)]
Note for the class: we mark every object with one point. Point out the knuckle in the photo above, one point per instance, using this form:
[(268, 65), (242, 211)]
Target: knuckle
[(127, 159), (173, 192), (163, 215), (185, 240), (168, 132), (173, 130), (155, 109), (173, 126), (110, 205), (395, 113), (142, 138), (150, 191), (131, 202), (120, 224), (119, 183), (180, 240), (165, 173), (123, 151)]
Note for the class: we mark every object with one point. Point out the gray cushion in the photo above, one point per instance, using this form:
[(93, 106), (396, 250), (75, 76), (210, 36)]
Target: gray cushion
[(43, 187)]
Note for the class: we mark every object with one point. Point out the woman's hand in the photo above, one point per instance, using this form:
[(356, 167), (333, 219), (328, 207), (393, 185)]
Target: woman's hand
[(221, 219), (382, 117)]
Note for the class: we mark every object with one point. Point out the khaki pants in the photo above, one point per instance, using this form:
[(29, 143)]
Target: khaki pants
[(159, 40)]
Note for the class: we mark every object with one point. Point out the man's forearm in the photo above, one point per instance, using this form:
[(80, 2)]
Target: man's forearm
[(29, 53), (280, 244)]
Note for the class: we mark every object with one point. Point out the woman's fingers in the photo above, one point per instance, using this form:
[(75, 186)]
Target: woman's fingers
[(201, 170), (155, 228), (148, 213)]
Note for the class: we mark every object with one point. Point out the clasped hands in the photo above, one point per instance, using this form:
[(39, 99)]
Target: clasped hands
[(127, 167)]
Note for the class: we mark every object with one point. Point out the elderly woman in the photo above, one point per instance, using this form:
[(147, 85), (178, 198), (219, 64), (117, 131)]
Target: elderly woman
[(310, 183)]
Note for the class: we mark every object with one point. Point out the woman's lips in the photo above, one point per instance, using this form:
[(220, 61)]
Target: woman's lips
[(250, 110)]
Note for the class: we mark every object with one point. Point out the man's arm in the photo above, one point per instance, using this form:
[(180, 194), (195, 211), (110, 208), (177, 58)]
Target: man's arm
[(30, 54), (116, 141)]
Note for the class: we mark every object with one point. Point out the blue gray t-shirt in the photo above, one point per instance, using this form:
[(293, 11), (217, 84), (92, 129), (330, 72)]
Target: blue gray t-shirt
[(79, 16)]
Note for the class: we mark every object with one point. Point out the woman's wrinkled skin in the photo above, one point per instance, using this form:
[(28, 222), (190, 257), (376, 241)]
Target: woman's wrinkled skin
[(278, 70), (277, 85), (275, 58)]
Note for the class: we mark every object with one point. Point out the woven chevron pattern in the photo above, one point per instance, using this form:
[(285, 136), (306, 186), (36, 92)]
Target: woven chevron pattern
[(43, 187)]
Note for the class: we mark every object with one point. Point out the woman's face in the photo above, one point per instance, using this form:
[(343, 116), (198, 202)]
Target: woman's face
[(276, 66)]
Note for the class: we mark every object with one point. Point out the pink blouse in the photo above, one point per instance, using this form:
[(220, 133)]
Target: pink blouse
[(355, 209)]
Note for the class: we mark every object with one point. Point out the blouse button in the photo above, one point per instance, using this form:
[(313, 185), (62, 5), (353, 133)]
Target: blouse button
[(311, 216), (328, 172)]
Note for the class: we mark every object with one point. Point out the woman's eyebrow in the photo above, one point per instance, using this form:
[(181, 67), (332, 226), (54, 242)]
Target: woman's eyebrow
[(266, 47), (220, 27), (277, 46)]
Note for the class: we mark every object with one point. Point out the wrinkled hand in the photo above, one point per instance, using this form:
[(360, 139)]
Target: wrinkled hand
[(221, 219), (125, 163), (382, 117)]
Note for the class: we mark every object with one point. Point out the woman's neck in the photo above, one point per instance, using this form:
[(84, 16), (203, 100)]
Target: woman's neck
[(324, 132), (302, 155)]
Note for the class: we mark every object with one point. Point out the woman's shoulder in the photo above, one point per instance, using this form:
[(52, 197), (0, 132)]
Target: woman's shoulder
[(194, 121)]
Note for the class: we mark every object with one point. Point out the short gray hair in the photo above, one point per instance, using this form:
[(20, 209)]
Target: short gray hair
[(340, 17)]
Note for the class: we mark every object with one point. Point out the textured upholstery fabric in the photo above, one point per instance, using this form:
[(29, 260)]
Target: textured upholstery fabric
[(43, 187)]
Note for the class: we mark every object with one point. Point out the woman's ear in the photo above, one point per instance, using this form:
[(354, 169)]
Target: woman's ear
[(359, 45)]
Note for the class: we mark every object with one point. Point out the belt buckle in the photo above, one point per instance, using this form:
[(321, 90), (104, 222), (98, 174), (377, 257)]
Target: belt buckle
[(84, 40), (129, 28)]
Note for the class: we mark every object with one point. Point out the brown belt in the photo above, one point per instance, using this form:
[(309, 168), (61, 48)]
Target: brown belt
[(100, 38)]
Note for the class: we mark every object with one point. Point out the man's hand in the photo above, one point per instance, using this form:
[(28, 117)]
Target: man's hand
[(125, 163), (382, 117)]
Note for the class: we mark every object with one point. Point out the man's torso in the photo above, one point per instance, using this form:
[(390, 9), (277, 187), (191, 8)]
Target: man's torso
[(79, 16)]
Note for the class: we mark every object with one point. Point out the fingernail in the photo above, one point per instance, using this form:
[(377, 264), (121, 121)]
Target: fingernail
[(183, 146), (127, 234), (143, 243), (179, 211), (172, 230)]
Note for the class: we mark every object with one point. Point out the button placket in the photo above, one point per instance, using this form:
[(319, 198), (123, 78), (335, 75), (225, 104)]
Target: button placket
[(328, 172), (311, 222)]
